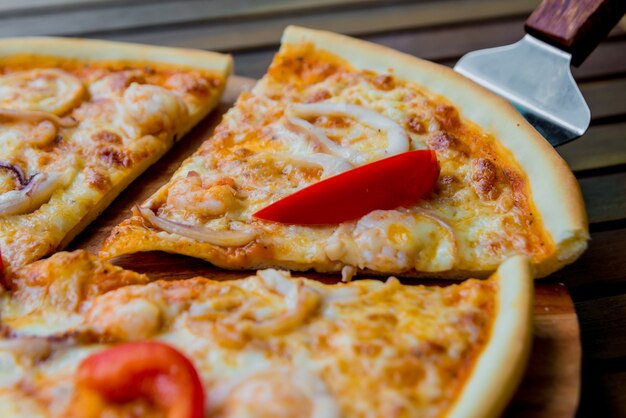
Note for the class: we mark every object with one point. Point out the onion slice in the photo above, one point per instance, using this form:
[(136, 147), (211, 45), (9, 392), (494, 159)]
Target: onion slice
[(397, 138), (432, 216), (329, 163), (300, 300), (37, 192), (16, 171), (325, 143), (37, 115), (228, 238)]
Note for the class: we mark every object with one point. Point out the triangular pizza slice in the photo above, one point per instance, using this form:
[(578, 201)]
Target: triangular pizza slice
[(330, 104), (79, 120)]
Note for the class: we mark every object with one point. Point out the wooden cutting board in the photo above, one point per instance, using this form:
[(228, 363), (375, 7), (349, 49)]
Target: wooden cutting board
[(551, 386)]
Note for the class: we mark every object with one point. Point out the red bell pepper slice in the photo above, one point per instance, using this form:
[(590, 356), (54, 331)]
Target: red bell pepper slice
[(149, 370), (400, 180)]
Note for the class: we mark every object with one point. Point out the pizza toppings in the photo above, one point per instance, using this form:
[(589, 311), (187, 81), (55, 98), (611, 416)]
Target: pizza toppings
[(330, 164), (329, 351), (36, 115), (203, 197), (285, 392), (300, 300), (15, 171), (392, 240), (397, 138), (320, 140), (225, 238), (154, 109), (35, 193), (148, 370), (400, 180), (49, 90)]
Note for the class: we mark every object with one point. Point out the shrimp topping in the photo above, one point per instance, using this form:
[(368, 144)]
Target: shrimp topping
[(203, 197)]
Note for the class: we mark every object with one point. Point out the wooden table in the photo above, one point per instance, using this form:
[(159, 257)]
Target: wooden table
[(441, 31)]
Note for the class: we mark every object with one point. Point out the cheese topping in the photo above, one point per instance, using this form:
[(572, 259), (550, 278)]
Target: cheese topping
[(48, 90), (267, 345), (313, 103), (397, 138), (100, 123), (36, 193)]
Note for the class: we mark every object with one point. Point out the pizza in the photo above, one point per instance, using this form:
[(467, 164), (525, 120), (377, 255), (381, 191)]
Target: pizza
[(84, 338), (330, 104), (80, 119)]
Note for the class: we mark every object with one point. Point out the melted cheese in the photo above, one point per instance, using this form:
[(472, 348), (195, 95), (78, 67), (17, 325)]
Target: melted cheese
[(479, 213), (49, 90), (362, 348), (116, 118)]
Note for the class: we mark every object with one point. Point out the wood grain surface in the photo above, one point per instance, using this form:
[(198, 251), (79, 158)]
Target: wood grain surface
[(554, 369)]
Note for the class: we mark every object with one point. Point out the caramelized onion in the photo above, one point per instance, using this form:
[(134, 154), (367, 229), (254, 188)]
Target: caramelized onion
[(37, 115), (37, 192), (397, 138), (226, 238)]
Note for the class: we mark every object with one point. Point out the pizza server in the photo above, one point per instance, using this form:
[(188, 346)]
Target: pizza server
[(534, 73)]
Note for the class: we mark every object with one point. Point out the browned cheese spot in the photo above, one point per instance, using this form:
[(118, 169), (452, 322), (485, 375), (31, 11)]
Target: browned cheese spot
[(447, 116), (485, 178), (384, 82), (107, 136), (96, 179), (416, 124), (114, 157)]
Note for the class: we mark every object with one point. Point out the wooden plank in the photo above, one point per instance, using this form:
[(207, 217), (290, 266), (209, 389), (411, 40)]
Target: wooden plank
[(30, 5), (446, 46), (601, 270), (609, 59), (605, 197), (603, 327), (233, 35), (450, 43), (120, 16), (601, 146), (613, 394), (556, 333), (603, 392), (605, 98)]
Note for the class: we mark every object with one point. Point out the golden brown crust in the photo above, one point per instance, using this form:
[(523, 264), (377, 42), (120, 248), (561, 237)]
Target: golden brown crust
[(91, 49), (500, 367), (555, 191)]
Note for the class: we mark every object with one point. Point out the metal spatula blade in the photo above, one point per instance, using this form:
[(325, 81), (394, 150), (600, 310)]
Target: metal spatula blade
[(536, 78), (534, 73)]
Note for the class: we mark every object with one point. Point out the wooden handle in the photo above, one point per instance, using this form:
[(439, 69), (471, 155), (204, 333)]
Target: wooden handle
[(575, 26)]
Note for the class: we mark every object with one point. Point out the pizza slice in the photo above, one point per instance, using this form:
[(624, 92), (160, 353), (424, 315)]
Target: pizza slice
[(330, 104), (79, 120), (78, 334)]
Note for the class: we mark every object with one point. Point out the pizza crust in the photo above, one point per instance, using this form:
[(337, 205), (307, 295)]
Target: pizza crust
[(92, 49), (501, 365), (555, 191)]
